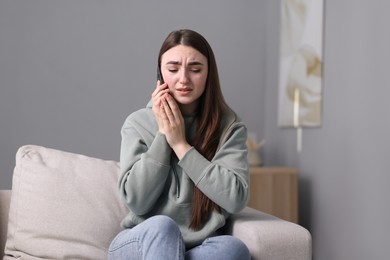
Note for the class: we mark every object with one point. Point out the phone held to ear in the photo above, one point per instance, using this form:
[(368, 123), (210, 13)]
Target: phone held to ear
[(159, 76)]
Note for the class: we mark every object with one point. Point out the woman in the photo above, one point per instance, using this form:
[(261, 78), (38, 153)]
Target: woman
[(183, 162)]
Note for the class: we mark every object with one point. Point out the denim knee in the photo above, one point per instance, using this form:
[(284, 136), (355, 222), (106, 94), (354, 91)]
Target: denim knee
[(237, 247), (228, 247), (125, 246), (164, 225), (158, 237)]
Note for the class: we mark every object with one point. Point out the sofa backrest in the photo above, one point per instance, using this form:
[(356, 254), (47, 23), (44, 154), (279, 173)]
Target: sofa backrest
[(63, 205)]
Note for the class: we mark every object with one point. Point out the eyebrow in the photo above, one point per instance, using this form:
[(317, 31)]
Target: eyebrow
[(191, 63)]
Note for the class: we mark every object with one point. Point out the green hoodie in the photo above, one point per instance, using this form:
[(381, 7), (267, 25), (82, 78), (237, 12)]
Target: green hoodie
[(154, 182)]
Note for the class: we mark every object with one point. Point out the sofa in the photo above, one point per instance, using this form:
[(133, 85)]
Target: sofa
[(66, 206)]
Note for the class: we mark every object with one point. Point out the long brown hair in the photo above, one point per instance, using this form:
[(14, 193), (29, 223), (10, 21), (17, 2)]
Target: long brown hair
[(208, 116)]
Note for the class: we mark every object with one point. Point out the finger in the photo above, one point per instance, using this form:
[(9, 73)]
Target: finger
[(162, 111), (160, 86), (167, 109), (159, 89), (164, 116), (174, 109), (158, 93), (173, 105)]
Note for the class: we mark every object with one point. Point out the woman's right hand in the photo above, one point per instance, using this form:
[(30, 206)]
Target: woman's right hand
[(158, 93)]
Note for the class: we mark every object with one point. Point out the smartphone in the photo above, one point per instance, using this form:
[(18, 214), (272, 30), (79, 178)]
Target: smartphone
[(159, 75)]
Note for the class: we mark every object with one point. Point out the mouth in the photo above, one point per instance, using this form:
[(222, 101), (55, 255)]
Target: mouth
[(184, 90)]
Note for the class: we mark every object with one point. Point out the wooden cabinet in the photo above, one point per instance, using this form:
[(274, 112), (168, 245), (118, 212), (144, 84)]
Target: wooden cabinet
[(274, 190)]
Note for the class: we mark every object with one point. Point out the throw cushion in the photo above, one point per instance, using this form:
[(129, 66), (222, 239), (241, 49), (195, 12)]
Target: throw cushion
[(63, 205)]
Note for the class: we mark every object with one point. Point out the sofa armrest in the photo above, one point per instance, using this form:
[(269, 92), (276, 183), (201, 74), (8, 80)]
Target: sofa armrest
[(269, 237), (5, 199)]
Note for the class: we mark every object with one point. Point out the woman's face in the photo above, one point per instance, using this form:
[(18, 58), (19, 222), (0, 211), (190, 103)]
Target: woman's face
[(185, 71)]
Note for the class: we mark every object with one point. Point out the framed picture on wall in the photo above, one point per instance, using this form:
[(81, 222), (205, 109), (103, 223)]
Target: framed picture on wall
[(301, 63)]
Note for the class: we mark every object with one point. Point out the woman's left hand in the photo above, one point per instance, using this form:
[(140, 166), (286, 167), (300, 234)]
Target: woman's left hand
[(173, 125)]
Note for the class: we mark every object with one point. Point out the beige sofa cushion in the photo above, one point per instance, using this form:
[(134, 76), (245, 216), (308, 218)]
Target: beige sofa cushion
[(63, 205)]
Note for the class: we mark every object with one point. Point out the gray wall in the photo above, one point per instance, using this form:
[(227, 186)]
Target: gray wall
[(344, 165), (71, 71)]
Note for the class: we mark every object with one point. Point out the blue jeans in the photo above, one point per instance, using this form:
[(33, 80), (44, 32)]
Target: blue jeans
[(159, 238)]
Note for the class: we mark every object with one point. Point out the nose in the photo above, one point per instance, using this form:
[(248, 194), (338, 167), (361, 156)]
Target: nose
[(184, 76)]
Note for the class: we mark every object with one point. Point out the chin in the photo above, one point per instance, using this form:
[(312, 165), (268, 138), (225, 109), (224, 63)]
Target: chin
[(184, 100)]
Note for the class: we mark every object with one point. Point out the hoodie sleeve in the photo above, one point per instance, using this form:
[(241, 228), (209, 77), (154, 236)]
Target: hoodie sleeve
[(225, 179), (144, 163)]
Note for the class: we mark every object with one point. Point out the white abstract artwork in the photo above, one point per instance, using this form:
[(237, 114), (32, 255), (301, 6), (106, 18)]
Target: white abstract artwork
[(301, 63)]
